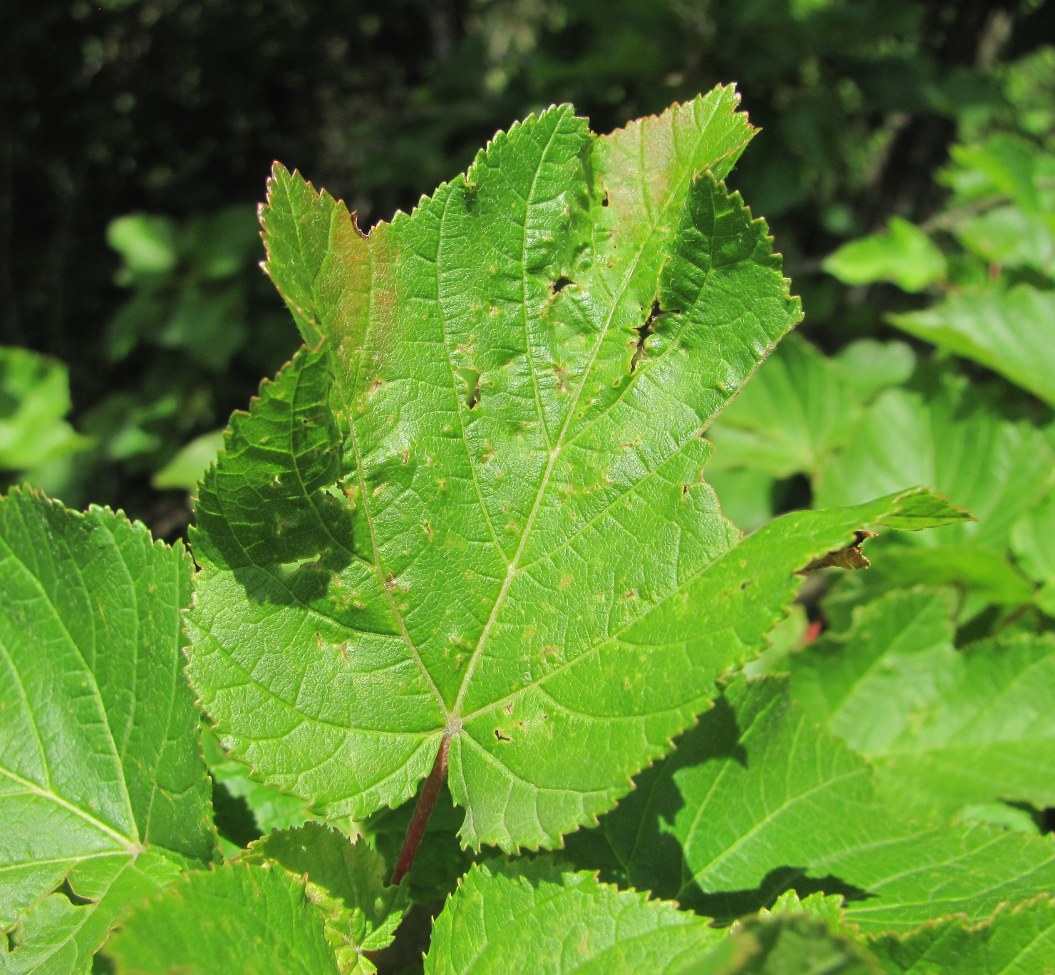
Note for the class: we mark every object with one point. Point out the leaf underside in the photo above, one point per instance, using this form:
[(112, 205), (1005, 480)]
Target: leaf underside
[(472, 509)]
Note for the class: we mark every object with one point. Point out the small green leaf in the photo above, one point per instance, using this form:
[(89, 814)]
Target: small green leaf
[(347, 882), (34, 399), (506, 916), (147, 244), (185, 469), (253, 920), (102, 783), (904, 254)]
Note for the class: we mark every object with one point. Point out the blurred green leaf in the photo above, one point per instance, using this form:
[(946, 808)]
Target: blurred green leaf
[(185, 470), (904, 254), (34, 399), (1011, 332), (797, 408), (146, 243), (943, 434)]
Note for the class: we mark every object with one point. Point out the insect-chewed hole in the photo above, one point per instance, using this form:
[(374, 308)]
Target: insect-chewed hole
[(471, 378), (560, 284)]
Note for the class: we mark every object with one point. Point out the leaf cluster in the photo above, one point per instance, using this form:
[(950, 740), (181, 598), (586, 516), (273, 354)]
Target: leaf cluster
[(471, 605)]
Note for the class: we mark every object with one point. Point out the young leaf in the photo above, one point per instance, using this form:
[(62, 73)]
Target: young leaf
[(504, 914), (943, 728), (469, 524), (102, 785), (757, 800), (903, 254), (242, 918), (347, 882)]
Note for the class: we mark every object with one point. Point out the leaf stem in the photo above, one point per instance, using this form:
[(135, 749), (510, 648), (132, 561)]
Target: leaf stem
[(422, 811)]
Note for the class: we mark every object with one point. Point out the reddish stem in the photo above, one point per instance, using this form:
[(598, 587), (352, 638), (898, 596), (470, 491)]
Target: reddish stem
[(422, 811)]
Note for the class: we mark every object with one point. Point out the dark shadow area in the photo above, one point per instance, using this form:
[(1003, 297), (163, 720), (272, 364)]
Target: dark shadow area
[(726, 906), (233, 817)]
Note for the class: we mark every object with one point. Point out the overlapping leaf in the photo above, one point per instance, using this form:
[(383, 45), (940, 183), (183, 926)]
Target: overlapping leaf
[(471, 515), (757, 799), (944, 728), (103, 792), (241, 917), (504, 915)]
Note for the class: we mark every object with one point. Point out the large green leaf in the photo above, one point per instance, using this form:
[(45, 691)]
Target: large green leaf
[(471, 516), (943, 728), (103, 792), (757, 799)]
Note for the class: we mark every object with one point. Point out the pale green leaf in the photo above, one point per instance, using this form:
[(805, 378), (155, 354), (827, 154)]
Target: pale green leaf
[(943, 728), (347, 882), (103, 790), (758, 800), (530, 916), (903, 254), (185, 469), (1011, 332), (248, 919), (34, 399), (872, 366)]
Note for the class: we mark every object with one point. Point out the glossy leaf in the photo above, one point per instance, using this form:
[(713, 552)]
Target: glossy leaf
[(103, 790)]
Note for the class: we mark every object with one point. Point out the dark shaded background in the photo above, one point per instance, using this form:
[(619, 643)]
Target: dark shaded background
[(178, 107)]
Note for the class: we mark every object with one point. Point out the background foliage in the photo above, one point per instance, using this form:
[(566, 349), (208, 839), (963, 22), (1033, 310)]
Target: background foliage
[(140, 131)]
